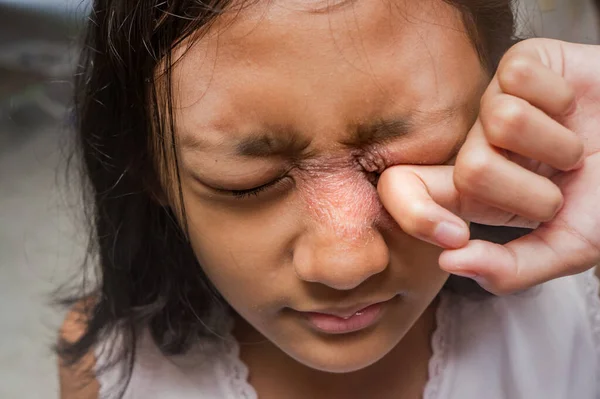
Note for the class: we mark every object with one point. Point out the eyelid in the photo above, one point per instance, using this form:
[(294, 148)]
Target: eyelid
[(225, 190), (272, 185), (237, 180)]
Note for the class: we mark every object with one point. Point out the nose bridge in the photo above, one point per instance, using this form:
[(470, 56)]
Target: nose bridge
[(341, 247), (345, 203)]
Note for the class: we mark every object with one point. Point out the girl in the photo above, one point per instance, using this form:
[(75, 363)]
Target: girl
[(279, 190)]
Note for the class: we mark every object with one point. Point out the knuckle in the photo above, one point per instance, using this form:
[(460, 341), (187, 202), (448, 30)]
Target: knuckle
[(523, 47), (568, 98), (471, 170), (515, 71), (503, 118)]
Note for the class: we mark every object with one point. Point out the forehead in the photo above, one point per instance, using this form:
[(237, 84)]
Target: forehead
[(302, 63)]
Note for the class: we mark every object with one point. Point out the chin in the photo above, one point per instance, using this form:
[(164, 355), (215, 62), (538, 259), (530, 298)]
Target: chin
[(345, 353)]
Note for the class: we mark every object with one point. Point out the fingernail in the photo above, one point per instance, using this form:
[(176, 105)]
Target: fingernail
[(450, 235)]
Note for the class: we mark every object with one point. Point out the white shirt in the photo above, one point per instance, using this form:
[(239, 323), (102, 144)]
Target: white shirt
[(544, 343)]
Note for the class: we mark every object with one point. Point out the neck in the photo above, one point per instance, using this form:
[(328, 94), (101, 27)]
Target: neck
[(405, 369)]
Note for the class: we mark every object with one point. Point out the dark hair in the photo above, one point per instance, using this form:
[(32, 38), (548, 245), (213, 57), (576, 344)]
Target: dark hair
[(146, 271)]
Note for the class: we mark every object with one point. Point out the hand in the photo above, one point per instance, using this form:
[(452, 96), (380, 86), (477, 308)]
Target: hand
[(532, 159)]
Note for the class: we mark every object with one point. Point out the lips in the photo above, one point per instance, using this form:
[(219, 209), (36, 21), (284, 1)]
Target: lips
[(342, 320), (344, 313)]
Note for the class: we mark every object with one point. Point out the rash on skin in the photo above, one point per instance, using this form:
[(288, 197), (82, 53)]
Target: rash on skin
[(340, 193)]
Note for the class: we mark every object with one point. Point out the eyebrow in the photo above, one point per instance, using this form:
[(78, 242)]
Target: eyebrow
[(289, 144), (285, 142), (381, 131), (276, 142)]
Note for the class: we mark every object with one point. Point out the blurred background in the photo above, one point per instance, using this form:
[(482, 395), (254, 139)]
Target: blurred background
[(39, 243), (41, 239)]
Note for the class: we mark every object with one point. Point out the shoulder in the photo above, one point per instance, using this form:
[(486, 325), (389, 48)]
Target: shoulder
[(77, 379), (206, 370), (209, 369), (138, 368)]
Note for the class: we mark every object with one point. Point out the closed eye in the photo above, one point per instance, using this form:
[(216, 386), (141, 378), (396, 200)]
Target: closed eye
[(256, 191)]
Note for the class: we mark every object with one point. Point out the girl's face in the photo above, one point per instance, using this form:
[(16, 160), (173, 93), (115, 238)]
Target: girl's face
[(307, 106)]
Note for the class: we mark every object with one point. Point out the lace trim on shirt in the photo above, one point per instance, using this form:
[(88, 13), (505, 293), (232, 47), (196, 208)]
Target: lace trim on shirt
[(237, 372), (592, 288), (439, 345)]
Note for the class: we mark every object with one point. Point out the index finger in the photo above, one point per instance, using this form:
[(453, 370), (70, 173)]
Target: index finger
[(531, 70), (424, 201), (535, 258), (409, 199)]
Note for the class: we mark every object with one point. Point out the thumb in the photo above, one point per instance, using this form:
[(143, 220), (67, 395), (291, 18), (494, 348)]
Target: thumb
[(425, 203)]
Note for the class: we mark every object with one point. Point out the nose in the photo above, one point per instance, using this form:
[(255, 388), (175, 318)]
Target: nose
[(339, 261)]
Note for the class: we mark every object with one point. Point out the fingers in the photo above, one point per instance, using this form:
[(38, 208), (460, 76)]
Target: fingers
[(523, 105), (513, 124), (507, 171), (425, 203), (483, 174), (521, 75), (567, 245), (408, 199), (540, 256)]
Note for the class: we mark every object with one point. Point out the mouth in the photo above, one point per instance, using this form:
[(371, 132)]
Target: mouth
[(346, 320)]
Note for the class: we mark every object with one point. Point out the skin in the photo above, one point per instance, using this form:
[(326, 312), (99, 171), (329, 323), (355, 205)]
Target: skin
[(321, 238), (531, 159), (541, 85)]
